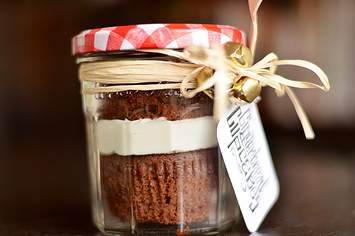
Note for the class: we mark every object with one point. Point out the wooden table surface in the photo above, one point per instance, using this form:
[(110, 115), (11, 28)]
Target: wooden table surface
[(44, 186)]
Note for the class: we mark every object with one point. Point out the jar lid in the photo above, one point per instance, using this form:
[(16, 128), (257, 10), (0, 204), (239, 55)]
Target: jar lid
[(172, 36)]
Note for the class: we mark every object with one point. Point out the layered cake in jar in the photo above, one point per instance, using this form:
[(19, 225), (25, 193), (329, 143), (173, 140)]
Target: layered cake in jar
[(154, 162), (176, 181)]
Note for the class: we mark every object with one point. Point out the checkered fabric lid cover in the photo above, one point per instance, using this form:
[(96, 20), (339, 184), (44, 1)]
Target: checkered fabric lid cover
[(172, 36)]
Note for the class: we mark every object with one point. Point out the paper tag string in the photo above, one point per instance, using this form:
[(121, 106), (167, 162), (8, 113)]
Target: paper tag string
[(253, 8)]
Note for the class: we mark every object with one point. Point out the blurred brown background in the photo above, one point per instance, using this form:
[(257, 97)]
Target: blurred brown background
[(42, 139)]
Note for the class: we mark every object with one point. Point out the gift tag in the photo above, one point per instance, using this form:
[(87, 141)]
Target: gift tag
[(248, 161)]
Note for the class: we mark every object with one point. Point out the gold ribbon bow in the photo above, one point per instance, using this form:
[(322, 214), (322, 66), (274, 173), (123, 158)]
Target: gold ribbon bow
[(227, 74)]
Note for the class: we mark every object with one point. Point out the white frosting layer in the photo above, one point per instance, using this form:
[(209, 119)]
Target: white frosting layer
[(149, 136)]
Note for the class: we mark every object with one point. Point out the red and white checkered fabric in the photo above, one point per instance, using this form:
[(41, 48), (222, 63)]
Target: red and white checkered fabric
[(170, 36)]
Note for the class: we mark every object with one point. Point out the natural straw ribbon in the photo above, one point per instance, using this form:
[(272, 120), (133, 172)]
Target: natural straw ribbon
[(134, 75), (263, 71), (183, 76)]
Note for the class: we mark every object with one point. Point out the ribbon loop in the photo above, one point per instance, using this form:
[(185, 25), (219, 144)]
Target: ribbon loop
[(262, 71)]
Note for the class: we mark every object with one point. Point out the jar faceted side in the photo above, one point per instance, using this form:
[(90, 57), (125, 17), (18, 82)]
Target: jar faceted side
[(166, 192)]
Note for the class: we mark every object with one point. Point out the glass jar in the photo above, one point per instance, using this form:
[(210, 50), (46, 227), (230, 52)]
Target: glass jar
[(154, 162)]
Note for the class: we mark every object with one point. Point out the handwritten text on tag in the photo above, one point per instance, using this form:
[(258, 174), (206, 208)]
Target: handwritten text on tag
[(248, 161)]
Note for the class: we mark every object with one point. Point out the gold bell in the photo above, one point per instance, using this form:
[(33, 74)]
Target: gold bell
[(202, 77), (245, 90), (239, 54)]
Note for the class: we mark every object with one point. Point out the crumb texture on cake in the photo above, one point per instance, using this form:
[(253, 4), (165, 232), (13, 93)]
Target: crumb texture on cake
[(168, 103), (166, 189)]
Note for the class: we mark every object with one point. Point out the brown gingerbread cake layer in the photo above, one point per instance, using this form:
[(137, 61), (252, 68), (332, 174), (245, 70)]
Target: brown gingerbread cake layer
[(166, 189), (169, 103)]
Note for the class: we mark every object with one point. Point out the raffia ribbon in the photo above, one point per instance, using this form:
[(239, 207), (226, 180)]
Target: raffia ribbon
[(183, 76), (263, 71)]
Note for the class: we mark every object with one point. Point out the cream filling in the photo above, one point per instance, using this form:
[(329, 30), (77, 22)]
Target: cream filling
[(147, 136)]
